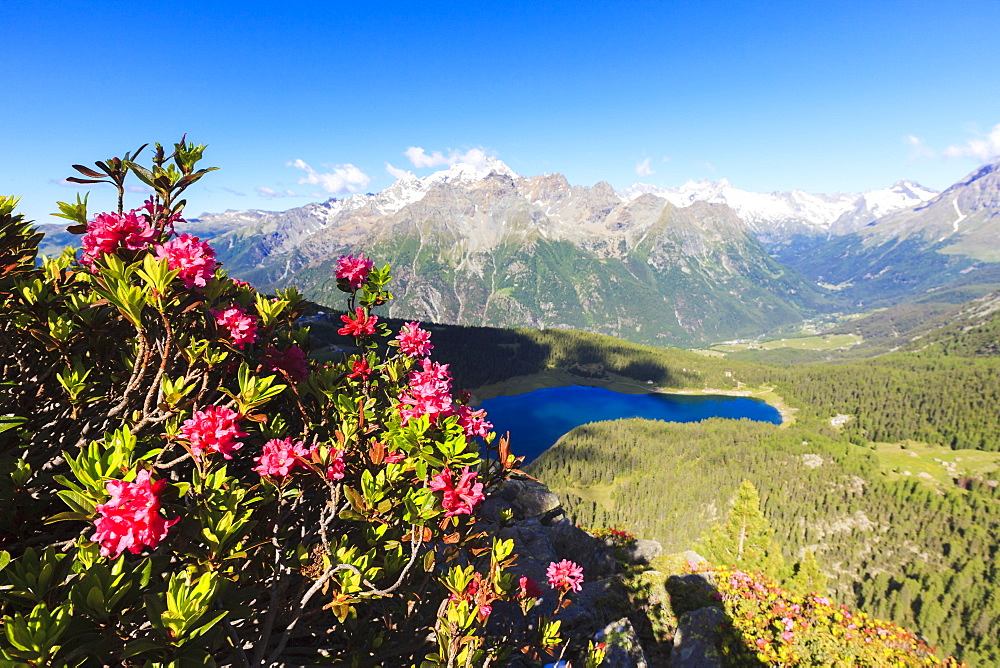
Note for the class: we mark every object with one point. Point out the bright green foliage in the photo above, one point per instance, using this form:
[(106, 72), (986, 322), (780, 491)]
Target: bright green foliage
[(773, 626), (808, 577), (745, 539)]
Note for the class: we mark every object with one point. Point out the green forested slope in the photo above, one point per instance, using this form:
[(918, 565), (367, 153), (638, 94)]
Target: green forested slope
[(898, 549)]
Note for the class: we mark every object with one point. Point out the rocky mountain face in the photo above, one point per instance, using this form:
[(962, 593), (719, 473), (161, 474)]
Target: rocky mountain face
[(482, 245), (952, 241)]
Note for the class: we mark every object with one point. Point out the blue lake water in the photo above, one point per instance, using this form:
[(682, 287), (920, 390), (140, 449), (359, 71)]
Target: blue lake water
[(537, 419)]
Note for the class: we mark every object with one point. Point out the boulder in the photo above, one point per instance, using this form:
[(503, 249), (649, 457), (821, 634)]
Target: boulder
[(571, 542), (623, 647), (691, 592), (697, 641), (528, 498), (642, 551)]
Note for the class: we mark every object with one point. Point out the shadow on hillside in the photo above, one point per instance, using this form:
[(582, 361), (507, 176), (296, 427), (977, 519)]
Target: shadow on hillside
[(481, 356)]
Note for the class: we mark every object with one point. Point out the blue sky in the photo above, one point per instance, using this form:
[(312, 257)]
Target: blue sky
[(313, 100)]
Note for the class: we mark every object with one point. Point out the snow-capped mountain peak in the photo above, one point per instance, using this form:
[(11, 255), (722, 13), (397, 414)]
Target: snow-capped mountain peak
[(471, 171)]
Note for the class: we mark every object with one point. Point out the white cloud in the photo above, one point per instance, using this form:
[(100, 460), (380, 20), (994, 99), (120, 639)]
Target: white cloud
[(234, 192), (982, 148), (918, 149), (666, 158), (342, 180), (395, 172), (643, 168), (77, 186), (420, 158), (144, 190), (270, 193)]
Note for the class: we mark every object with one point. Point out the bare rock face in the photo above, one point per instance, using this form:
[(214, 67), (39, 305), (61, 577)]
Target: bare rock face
[(623, 647), (643, 551), (696, 642)]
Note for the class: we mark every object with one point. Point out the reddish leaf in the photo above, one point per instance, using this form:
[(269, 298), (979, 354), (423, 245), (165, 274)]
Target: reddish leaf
[(87, 171)]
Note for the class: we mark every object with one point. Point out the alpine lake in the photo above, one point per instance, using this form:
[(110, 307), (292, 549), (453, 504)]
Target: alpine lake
[(537, 419)]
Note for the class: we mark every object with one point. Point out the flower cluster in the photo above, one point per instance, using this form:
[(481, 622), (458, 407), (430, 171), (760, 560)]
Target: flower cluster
[(528, 588), (360, 369), (353, 271), (281, 457), (427, 393), (473, 421), (335, 471), (214, 429), (461, 497), (130, 519), (414, 341), (565, 576), (774, 626), (360, 325), (241, 326), (109, 232), (194, 259), (291, 360)]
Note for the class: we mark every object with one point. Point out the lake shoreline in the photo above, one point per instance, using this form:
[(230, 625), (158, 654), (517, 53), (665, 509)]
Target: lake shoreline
[(558, 378)]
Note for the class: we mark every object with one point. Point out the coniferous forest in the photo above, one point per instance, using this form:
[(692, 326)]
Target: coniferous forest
[(919, 554)]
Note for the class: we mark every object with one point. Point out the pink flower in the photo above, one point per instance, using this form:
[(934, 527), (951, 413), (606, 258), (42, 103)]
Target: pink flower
[(108, 232), (787, 636), (360, 369), (131, 518), (335, 471), (484, 612), (213, 430), (240, 284), (473, 421), (242, 328), (565, 575), (414, 341), (195, 259), (428, 393), (291, 360), (361, 325), (281, 457), (528, 588), (353, 271), (458, 499)]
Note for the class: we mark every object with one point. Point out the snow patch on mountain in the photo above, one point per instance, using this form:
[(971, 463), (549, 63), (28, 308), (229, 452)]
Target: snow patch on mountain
[(771, 212)]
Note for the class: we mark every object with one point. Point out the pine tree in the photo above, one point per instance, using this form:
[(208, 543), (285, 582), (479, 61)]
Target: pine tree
[(808, 577), (745, 539)]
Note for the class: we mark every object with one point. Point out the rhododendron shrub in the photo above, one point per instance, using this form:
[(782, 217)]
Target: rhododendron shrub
[(182, 485), (773, 626)]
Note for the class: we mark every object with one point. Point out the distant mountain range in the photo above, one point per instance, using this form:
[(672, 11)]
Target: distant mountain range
[(951, 242), (480, 244), (777, 217)]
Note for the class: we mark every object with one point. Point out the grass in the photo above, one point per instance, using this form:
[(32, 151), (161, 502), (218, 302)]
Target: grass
[(818, 342), (599, 494), (935, 465)]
